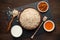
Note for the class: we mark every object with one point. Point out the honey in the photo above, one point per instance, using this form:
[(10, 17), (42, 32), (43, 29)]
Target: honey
[(48, 25)]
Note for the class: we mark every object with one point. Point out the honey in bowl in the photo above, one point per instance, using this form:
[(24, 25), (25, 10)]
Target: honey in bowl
[(49, 26), (42, 6)]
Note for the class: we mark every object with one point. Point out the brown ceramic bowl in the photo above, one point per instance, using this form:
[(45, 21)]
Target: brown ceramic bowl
[(28, 17)]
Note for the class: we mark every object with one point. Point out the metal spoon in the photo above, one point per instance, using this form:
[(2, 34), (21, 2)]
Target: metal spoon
[(14, 13), (44, 19)]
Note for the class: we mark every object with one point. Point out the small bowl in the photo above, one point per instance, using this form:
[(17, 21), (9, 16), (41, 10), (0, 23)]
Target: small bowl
[(16, 31), (40, 3), (50, 29)]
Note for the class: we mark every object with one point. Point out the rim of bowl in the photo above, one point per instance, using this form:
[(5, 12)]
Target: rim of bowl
[(52, 28), (47, 6)]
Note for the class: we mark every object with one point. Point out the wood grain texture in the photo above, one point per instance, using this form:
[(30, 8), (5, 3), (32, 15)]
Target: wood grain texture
[(55, 11)]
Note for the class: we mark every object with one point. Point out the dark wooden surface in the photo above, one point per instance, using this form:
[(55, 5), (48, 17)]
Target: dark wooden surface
[(55, 11)]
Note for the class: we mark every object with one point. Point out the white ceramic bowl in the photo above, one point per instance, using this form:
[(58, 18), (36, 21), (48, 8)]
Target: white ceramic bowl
[(39, 8), (47, 29), (16, 31)]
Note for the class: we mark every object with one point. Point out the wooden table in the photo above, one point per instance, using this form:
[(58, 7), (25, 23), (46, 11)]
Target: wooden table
[(55, 11)]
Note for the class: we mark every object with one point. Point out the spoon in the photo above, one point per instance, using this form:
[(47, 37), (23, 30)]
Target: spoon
[(44, 19), (14, 13)]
